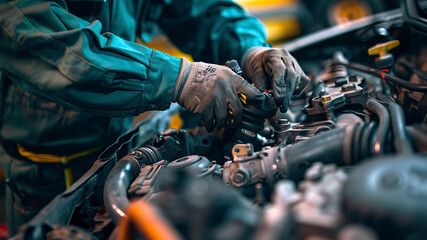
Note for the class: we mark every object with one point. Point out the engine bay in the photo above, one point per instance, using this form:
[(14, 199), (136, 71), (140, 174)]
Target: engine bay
[(347, 161)]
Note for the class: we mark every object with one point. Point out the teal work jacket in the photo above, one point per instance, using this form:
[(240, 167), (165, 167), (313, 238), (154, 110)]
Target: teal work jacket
[(78, 75)]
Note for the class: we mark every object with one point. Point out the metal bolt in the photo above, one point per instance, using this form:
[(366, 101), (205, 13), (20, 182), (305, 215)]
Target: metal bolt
[(239, 177), (136, 154)]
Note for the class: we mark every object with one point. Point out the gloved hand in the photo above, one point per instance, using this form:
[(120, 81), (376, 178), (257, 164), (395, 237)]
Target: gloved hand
[(213, 91), (276, 69)]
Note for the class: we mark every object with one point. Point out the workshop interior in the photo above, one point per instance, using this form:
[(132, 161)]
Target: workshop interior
[(348, 160)]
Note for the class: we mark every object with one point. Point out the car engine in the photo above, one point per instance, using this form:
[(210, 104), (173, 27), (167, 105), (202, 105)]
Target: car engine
[(347, 161)]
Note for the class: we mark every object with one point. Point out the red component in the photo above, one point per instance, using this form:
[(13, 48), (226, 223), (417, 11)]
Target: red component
[(381, 73), (3, 231)]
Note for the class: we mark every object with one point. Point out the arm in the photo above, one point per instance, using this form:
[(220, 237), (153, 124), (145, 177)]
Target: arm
[(220, 30), (50, 52), (211, 30)]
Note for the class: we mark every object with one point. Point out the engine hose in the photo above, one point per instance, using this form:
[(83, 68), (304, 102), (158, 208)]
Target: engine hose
[(384, 118), (121, 177), (401, 141), (340, 146), (116, 186), (369, 135)]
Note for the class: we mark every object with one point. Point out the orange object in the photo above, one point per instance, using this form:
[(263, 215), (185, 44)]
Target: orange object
[(349, 10), (176, 122), (142, 215)]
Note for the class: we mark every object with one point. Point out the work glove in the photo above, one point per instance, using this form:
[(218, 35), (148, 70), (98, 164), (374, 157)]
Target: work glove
[(276, 69), (216, 94)]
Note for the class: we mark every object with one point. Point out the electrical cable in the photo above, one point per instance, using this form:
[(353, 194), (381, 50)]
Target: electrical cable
[(396, 80)]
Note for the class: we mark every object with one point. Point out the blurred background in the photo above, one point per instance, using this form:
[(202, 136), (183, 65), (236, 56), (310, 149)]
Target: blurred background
[(288, 19)]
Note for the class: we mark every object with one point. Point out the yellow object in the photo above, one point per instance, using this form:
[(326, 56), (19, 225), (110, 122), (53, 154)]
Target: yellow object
[(142, 215), (49, 158), (280, 28), (176, 122), (382, 49), (242, 97), (326, 98), (162, 43), (257, 5), (279, 25), (67, 174)]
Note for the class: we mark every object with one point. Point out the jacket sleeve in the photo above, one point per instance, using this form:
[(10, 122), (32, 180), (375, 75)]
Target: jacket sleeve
[(50, 52), (211, 30)]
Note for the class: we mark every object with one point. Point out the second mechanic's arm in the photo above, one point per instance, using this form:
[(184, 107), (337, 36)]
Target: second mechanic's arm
[(211, 30)]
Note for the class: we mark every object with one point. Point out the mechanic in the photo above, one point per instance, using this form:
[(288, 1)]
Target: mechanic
[(73, 77)]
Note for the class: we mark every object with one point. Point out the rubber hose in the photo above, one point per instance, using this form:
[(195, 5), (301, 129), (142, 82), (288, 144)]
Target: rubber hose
[(384, 118), (327, 147), (118, 181), (398, 124)]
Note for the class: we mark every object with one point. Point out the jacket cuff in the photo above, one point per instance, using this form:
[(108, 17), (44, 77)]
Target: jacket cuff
[(162, 76), (182, 78)]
